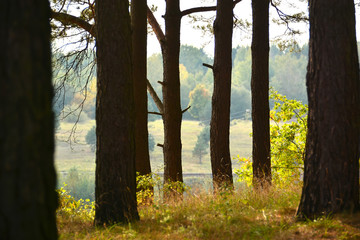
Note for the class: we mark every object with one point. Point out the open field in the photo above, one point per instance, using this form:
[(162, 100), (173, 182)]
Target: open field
[(79, 155)]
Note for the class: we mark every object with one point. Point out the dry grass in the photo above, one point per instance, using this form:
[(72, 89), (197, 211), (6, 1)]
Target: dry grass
[(242, 215)]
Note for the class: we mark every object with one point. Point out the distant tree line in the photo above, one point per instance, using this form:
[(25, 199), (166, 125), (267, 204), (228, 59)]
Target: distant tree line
[(287, 70)]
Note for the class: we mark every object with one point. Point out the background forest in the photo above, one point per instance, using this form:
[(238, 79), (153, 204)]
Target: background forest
[(287, 76), (286, 73)]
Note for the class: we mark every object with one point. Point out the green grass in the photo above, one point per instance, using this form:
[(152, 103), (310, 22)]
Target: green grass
[(241, 215), (80, 156)]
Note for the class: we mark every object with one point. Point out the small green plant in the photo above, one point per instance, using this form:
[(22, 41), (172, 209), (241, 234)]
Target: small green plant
[(145, 188), (175, 188), (69, 208), (287, 137)]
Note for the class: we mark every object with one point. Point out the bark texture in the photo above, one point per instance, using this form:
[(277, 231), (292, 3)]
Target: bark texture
[(220, 116), (115, 185), (139, 42), (331, 177), (28, 199), (172, 115), (260, 94)]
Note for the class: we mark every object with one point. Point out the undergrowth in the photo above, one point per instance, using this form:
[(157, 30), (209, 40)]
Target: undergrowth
[(242, 214)]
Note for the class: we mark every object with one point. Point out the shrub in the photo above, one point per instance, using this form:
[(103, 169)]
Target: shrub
[(69, 208), (287, 137), (90, 138)]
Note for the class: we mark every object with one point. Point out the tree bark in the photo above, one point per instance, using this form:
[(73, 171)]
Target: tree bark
[(139, 43), (28, 199), (171, 94), (260, 94), (220, 116), (331, 175), (115, 185)]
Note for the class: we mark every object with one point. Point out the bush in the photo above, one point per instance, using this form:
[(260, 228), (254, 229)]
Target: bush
[(90, 138), (69, 208), (287, 137)]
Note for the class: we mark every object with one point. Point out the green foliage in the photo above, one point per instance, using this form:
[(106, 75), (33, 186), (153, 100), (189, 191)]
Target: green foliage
[(288, 74), (287, 136), (70, 208), (175, 187), (145, 188), (245, 172), (202, 143), (90, 138), (240, 102), (241, 73), (193, 58), (199, 99)]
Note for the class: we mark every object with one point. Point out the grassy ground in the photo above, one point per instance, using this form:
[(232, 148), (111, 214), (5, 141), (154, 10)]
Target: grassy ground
[(79, 155), (242, 215)]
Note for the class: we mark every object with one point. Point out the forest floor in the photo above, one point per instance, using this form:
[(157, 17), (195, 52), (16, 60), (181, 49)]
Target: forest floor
[(243, 214), (239, 215)]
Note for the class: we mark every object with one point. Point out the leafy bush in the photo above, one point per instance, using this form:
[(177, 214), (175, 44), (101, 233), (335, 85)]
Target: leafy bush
[(90, 138), (287, 136), (150, 188), (69, 208), (145, 188)]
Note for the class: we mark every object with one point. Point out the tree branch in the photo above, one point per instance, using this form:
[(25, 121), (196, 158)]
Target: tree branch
[(155, 26), (203, 9), (68, 19), (155, 97), (287, 19), (208, 66), (183, 111), (155, 113), (197, 9)]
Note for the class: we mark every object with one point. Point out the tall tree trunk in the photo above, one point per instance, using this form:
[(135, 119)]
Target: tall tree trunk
[(28, 199), (260, 94), (115, 185), (331, 176), (220, 116), (172, 115), (139, 42)]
